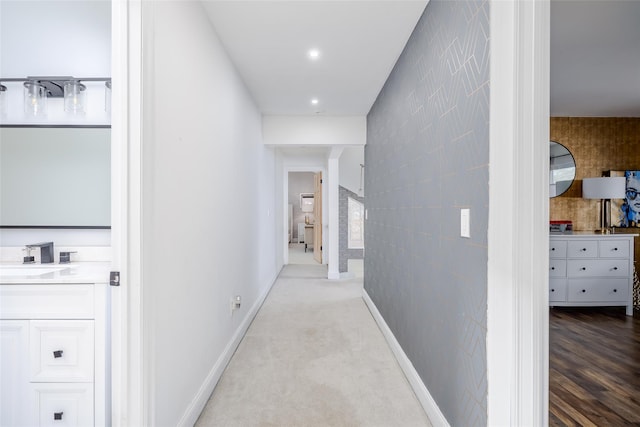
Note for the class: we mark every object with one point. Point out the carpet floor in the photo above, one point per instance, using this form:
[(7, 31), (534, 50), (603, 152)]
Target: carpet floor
[(313, 356)]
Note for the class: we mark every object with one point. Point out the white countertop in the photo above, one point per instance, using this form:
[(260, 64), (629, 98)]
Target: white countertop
[(74, 272), (590, 234)]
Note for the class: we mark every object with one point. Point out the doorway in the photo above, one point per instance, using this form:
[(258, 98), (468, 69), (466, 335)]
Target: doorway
[(304, 217)]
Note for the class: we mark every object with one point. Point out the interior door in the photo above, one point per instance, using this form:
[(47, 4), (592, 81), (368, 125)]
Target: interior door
[(317, 214)]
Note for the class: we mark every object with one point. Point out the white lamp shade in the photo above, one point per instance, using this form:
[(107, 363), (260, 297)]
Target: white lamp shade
[(604, 188)]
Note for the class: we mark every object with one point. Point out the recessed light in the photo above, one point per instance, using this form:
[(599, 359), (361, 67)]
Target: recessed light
[(315, 101), (314, 54)]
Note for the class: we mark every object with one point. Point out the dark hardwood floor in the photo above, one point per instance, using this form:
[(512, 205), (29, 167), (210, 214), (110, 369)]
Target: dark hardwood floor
[(594, 367)]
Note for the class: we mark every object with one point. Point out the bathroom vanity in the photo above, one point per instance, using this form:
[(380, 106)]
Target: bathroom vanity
[(587, 269), (54, 344)]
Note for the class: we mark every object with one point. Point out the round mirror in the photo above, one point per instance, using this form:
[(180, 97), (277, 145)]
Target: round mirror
[(562, 169)]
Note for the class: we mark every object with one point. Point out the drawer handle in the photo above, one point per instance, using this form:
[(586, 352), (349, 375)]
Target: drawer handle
[(583, 268), (57, 415), (553, 268), (615, 249), (57, 353), (584, 249), (553, 249), (615, 290), (584, 291), (553, 290), (615, 268)]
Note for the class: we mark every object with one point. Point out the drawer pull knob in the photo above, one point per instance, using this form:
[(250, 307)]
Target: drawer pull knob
[(57, 415), (553, 249), (583, 268), (57, 353), (553, 290), (584, 249), (615, 249), (584, 291), (553, 268), (615, 290), (615, 268)]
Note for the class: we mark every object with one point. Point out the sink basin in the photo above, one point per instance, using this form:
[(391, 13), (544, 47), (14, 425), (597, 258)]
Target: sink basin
[(29, 270)]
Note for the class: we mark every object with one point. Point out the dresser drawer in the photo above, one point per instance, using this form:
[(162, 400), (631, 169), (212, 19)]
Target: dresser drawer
[(557, 290), (582, 249), (46, 301), (557, 249), (598, 290), (61, 350), (614, 249), (598, 268), (557, 267), (63, 405)]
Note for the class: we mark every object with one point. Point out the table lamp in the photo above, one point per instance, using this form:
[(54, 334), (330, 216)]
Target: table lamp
[(605, 189)]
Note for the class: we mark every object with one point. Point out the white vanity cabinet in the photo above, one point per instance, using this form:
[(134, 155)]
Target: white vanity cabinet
[(53, 355), (591, 270)]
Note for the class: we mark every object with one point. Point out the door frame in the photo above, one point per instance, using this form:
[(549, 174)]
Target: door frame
[(285, 209), (129, 380), (518, 237)]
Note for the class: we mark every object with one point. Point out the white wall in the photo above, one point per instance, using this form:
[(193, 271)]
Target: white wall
[(55, 38), (315, 130), (350, 161), (209, 209)]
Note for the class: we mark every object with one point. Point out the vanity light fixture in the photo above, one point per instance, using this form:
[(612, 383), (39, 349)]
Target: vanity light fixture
[(37, 89), (314, 54), (314, 101), (605, 189)]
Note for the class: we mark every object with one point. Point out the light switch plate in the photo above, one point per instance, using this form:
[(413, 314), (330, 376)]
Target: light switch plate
[(465, 229)]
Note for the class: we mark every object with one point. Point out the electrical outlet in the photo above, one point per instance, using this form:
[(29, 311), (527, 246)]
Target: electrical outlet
[(235, 303)]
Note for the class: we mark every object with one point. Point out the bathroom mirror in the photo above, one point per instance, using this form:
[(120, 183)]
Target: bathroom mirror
[(55, 177), (562, 169)]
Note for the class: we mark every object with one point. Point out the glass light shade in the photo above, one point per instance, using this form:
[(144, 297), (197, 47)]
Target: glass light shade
[(74, 97), (107, 96), (35, 99), (3, 100)]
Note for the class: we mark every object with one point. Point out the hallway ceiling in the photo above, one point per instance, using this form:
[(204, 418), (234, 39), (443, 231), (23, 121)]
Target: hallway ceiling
[(359, 42), (595, 53)]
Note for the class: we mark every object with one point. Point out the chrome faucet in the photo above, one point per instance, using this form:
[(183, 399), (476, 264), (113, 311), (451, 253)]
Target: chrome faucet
[(46, 251)]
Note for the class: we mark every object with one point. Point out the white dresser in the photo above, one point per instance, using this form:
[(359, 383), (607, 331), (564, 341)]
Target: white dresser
[(587, 270)]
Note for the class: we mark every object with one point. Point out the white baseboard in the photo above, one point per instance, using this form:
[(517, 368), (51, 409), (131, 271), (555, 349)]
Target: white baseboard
[(436, 417), (202, 397)]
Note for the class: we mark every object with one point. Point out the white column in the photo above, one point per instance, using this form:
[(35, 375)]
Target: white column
[(517, 300), (333, 183)]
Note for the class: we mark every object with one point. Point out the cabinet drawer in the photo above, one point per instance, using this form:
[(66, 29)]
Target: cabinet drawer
[(61, 350), (557, 268), (557, 290), (598, 268), (65, 405), (582, 249), (557, 249), (598, 290), (46, 301), (614, 249)]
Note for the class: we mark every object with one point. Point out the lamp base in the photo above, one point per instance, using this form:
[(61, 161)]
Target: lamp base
[(605, 231)]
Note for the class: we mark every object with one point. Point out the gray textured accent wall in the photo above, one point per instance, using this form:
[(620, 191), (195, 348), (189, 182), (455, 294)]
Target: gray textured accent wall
[(427, 156), (343, 241)]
